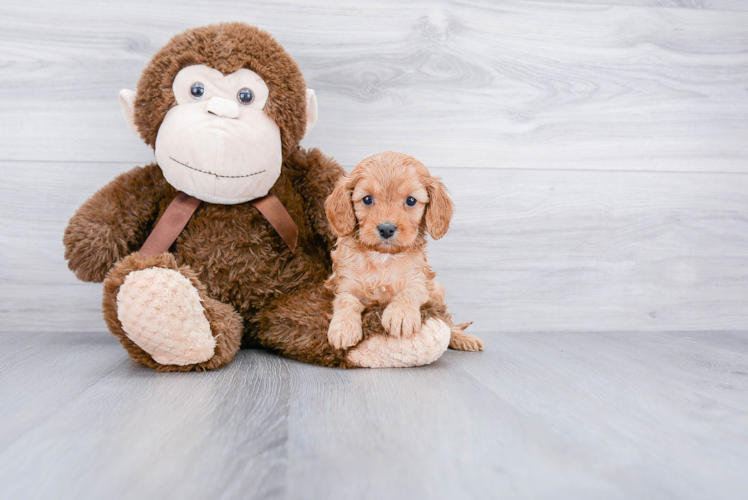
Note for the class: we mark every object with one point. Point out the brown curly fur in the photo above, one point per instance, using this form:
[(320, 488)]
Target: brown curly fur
[(227, 47), (241, 267), (226, 325), (232, 253), (310, 311), (406, 280)]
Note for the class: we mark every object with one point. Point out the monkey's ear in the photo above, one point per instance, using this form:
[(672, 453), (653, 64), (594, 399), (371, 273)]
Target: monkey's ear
[(439, 210), (311, 110), (127, 103), (339, 208)]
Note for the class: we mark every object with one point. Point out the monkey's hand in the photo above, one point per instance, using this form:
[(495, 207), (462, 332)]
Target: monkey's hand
[(114, 222), (91, 249), (400, 318)]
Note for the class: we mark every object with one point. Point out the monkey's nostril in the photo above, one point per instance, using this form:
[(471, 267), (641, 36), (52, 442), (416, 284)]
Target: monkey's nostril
[(386, 230)]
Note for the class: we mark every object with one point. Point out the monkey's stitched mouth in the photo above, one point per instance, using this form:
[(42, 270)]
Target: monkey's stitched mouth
[(213, 174)]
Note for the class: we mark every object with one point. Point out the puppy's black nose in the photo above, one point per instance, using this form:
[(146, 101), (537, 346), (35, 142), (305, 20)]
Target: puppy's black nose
[(386, 230)]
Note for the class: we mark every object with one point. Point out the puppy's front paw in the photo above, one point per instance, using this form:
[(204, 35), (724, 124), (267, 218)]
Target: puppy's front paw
[(399, 319), (345, 330)]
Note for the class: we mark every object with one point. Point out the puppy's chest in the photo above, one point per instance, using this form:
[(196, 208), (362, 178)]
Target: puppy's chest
[(380, 276)]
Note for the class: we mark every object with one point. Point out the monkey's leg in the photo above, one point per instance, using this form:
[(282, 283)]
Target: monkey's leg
[(162, 315), (296, 326)]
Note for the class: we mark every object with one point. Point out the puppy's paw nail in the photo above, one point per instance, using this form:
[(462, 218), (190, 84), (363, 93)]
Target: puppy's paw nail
[(411, 322), (344, 332), (392, 323), (400, 320)]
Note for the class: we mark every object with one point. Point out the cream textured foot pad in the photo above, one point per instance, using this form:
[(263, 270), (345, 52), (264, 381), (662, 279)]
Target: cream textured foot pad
[(386, 351), (160, 311)]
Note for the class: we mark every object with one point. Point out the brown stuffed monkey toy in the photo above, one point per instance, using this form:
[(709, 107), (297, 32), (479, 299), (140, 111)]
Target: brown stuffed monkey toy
[(224, 241)]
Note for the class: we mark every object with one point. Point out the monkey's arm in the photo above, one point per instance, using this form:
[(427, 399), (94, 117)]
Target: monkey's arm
[(114, 222), (314, 175)]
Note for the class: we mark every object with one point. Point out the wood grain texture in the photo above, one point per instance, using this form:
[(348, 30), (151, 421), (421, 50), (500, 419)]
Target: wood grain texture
[(535, 416), (88, 423), (531, 250), (738, 5), (596, 151), (578, 415), (511, 84)]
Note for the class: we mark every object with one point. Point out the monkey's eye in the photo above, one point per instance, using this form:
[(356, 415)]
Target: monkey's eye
[(197, 90), (410, 201), (245, 96), (368, 200)]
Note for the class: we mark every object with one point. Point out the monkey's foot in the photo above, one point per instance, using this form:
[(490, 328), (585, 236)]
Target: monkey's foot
[(386, 351), (163, 316), (161, 311)]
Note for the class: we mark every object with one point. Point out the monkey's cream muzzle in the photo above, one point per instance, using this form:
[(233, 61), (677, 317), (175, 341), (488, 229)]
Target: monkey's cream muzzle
[(217, 144), (217, 158), (213, 146)]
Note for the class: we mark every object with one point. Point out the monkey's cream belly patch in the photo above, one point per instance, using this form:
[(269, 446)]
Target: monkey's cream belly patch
[(160, 311)]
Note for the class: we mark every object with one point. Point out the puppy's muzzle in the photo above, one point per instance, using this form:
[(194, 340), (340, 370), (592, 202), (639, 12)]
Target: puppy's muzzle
[(386, 230)]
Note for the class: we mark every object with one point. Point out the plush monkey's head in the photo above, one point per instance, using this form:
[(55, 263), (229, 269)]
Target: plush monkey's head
[(222, 106)]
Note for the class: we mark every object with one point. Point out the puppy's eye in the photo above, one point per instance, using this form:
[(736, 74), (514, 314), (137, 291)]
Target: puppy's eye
[(367, 200), (197, 90), (410, 201)]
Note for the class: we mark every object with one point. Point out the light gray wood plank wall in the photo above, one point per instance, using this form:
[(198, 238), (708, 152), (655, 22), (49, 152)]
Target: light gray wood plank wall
[(738, 5), (512, 84), (612, 139), (597, 152), (533, 250)]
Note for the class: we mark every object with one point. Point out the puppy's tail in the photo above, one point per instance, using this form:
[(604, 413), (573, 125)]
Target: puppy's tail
[(461, 341), (459, 328)]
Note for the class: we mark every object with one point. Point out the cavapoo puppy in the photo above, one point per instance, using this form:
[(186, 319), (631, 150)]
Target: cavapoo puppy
[(381, 213)]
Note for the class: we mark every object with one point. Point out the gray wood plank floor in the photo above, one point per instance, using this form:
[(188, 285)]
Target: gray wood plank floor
[(597, 152), (555, 415)]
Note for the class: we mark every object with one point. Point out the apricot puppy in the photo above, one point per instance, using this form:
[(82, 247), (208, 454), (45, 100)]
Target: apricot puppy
[(381, 213)]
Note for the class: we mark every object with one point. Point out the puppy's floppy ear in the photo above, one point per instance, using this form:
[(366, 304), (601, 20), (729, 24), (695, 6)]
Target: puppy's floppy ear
[(339, 207), (439, 210)]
